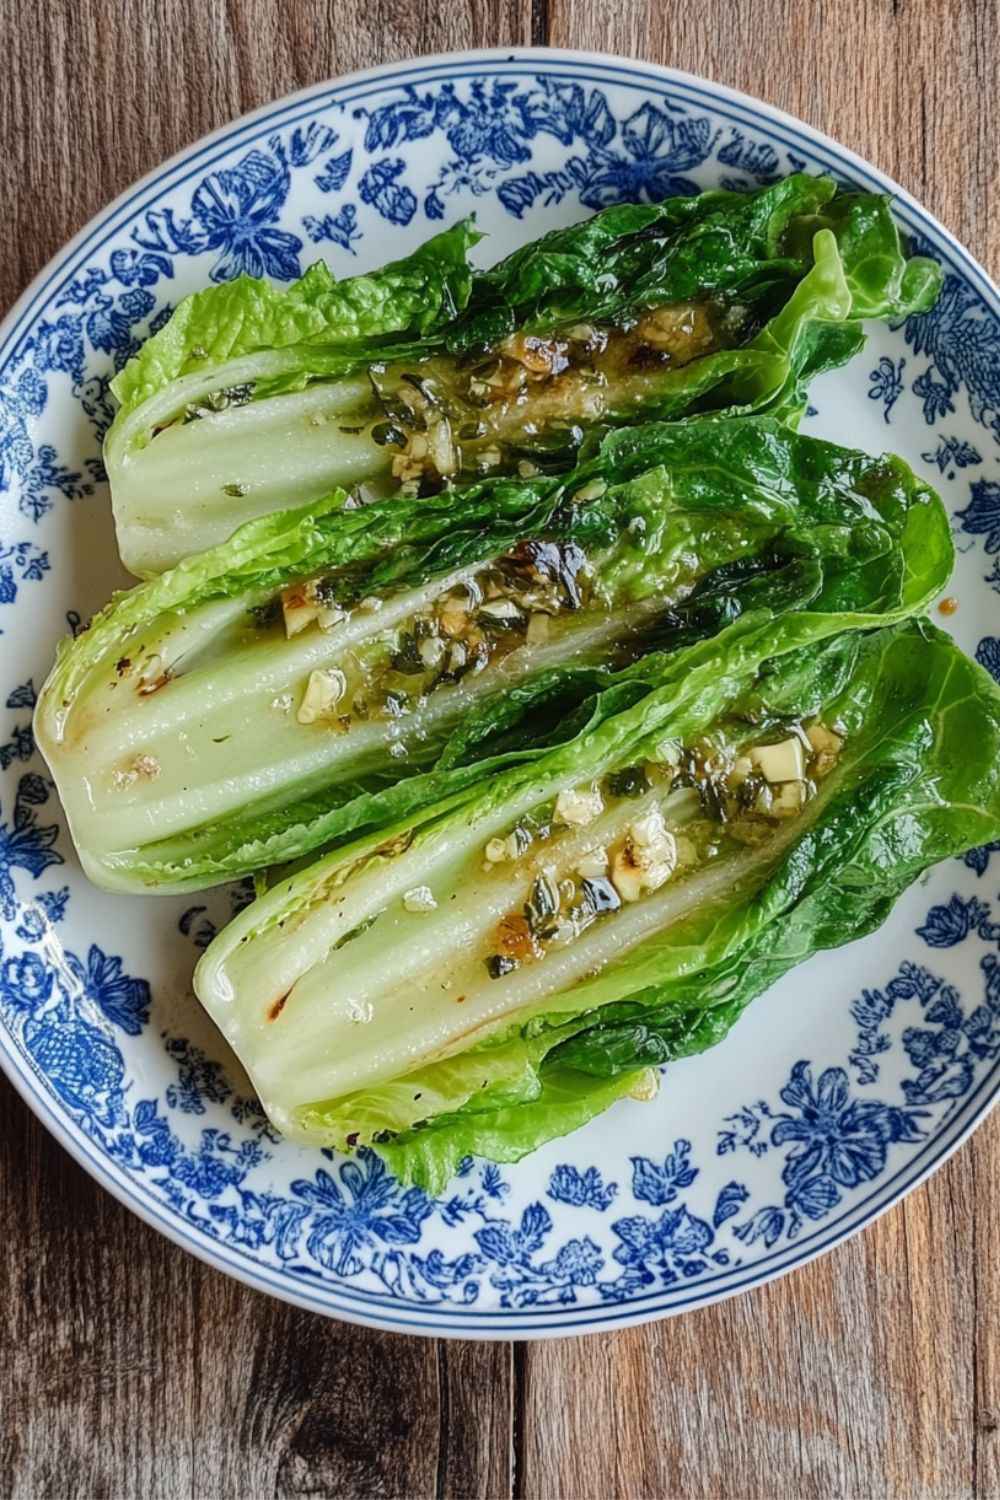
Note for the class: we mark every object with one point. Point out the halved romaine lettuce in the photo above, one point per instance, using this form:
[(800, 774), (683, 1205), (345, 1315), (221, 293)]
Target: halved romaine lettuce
[(330, 668), (493, 972), (252, 399)]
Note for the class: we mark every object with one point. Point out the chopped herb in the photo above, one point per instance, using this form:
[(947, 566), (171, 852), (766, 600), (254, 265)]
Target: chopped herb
[(406, 658), (499, 964), (421, 385), (599, 894), (750, 790), (630, 781), (265, 614), (543, 902), (216, 401), (713, 799), (354, 932), (384, 433), (553, 562)]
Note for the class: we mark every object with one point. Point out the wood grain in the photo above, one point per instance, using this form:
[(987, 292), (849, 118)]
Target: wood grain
[(908, 84), (128, 1368)]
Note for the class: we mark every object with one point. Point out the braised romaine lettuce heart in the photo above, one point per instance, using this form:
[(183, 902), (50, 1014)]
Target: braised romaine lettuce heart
[(495, 971), (252, 399), (331, 669)]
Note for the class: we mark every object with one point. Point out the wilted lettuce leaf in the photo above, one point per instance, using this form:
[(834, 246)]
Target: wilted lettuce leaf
[(697, 523), (882, 282), (917, 780), (246, 315), (252, 399), (634, 255)]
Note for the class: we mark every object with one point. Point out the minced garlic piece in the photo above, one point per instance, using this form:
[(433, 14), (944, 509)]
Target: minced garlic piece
[(503, 611), (300, 606), (781, 762), (453, 615), (324, 690), (789, 799), (592, 491), (646, 1086), (431, 651), (498, 851), (579, 808), (646, 860), (823, 740), (826, 745), (419, 899), (681, 329)]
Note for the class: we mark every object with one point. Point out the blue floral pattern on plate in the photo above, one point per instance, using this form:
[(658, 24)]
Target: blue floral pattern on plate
[(820, 1115)]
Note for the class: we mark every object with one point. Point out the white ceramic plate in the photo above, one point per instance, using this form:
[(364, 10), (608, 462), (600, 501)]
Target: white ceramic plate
[(757, 1155)]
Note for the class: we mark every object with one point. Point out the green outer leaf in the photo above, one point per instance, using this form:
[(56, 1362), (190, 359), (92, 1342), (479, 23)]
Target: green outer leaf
[(807, 265), (882, 282), (633, 255), (509, 1073), (810, 333), (221, 323), (566, 1101)]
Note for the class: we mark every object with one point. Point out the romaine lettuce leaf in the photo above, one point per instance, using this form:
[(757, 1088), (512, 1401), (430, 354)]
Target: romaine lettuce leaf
[(244, 343), (882, 282), (392, 994), (330, 669), (636, 255), (246, 316)]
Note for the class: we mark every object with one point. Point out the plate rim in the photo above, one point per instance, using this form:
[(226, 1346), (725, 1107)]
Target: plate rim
[(465, 1322)]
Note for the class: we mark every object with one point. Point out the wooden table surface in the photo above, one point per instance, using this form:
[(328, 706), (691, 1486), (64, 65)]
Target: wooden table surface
[(128, 1369)]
